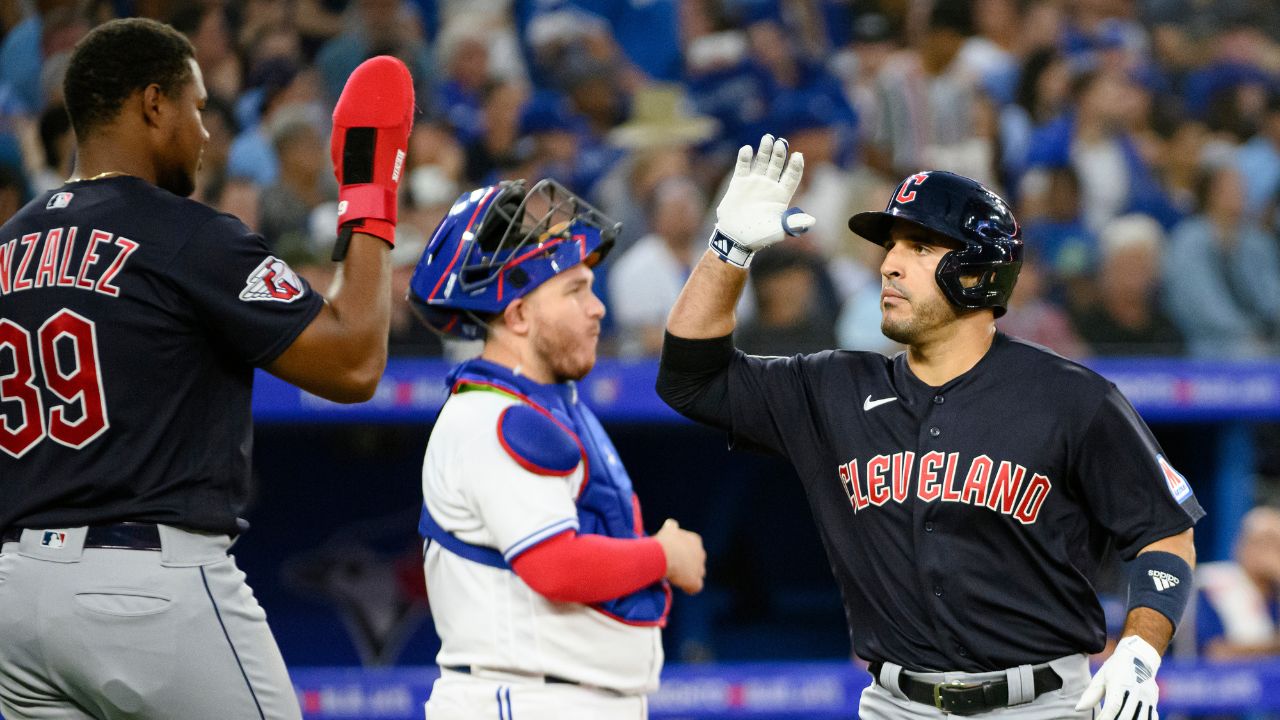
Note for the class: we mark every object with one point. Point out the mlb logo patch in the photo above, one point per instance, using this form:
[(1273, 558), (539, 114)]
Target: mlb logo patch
[(55, 539), (59, 201), (1179, 488), (272, 281)]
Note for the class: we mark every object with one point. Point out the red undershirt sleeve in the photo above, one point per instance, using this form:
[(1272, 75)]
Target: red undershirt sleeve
[(590, 568)]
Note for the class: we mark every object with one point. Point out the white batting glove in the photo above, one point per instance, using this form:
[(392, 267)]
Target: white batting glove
[(1128, 679), (753, 213)]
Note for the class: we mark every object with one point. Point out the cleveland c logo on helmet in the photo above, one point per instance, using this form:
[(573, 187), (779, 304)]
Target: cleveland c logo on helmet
[(498, 243), (905, 195), (983, 271)]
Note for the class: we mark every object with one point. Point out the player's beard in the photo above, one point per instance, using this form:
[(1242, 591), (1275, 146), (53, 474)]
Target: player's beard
[(177, 173), (927, 314), (568, 354), (177, 181)]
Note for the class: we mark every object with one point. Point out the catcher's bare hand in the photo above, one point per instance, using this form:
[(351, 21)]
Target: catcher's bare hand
[(686, 560)]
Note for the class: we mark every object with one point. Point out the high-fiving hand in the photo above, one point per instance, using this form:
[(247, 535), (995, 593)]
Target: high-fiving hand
[(753, 213), (370, 142)]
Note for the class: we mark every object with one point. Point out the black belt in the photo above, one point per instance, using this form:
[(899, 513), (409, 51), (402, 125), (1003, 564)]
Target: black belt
[(118, 536), (960, 698), (553, 679), (466, 670)]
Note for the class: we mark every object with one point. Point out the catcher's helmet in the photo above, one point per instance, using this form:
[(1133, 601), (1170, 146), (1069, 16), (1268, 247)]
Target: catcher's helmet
[(496, 244), (964, 210)]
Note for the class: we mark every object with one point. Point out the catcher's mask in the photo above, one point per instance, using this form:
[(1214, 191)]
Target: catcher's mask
[(966, 211), (498, 243)]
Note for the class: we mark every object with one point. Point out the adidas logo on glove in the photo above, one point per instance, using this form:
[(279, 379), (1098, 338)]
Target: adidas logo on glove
[(1163, 580), (1141, 670)]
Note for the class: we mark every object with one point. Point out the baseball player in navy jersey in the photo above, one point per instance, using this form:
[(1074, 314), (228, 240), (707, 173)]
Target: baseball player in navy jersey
[(965, 489), (131, 321), (546, 593)]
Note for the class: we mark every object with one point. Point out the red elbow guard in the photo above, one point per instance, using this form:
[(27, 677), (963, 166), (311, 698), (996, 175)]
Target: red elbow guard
[(371, 125)]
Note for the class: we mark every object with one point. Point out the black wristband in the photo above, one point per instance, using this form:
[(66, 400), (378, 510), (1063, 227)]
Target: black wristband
[(1161, 581)]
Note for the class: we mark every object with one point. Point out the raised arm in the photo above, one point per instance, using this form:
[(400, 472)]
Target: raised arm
[(342, 353), (752, 215)]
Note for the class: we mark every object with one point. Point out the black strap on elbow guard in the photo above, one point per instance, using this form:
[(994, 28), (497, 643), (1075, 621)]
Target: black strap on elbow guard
[(1161, 581), (685, 355), (343, 242)]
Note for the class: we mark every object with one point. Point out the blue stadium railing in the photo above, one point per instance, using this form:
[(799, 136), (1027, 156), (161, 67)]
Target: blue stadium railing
[(1163, 390), (1226, 397)]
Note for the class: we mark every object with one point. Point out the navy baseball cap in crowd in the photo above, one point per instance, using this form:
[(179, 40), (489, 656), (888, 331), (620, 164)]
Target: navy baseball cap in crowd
[(806, 110), (546, 112)]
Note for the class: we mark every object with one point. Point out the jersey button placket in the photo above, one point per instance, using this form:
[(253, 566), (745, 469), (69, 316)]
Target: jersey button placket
[(931, 555)]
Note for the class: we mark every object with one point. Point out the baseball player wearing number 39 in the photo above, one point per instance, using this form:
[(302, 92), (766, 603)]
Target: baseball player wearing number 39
[(546, 593), (131, 321), (966, 488)]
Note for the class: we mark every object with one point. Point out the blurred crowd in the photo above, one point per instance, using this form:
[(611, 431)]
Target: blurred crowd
[(1237, 609), (1138, 141)]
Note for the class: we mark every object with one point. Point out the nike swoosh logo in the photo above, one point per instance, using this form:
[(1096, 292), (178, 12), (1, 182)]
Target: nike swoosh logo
[(868, 404)]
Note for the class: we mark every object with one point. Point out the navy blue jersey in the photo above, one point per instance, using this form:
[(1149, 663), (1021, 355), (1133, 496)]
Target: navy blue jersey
[(130, 323), (963, 523)]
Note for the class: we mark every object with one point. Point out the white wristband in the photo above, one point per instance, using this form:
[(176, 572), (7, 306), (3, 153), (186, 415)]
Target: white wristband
[(730, 251)]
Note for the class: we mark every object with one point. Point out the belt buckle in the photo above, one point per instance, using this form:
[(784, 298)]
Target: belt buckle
[(961, 701)]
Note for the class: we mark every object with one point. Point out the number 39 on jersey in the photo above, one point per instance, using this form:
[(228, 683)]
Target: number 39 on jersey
[(60, 356)]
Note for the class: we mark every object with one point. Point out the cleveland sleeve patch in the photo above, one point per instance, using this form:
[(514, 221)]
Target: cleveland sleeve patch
[(272, 281), (536, 442)]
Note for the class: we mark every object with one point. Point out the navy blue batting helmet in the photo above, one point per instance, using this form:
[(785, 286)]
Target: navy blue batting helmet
[(966, 211), (498, 243)]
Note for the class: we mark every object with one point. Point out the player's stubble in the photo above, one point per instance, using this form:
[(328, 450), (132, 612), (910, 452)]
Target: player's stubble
[(927, 314), (183, 150), (570, 352)]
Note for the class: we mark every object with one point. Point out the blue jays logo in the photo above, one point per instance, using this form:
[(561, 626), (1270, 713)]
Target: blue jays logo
[(374, 583)]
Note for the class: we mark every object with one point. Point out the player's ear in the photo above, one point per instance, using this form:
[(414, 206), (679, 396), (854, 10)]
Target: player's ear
[(516, 316), (151, 103)]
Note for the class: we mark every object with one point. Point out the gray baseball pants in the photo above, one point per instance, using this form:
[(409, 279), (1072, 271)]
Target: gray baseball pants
[(883, 700), (107, 634)]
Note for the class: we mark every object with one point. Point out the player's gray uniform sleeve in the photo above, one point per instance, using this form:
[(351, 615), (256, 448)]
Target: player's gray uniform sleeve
[(1128, 481), (253, 302)]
